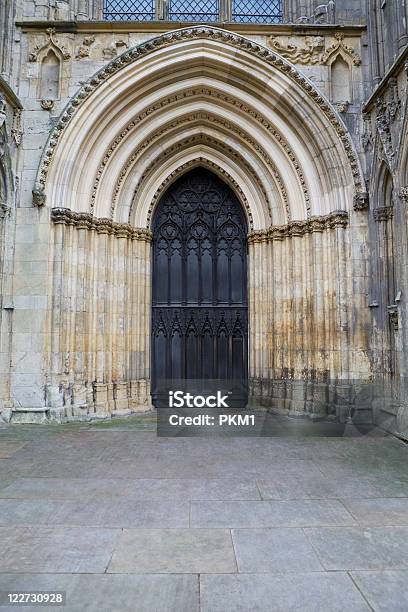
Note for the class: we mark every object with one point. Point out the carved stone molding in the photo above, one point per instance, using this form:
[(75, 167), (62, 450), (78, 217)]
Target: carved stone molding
[(200, 161), (360, 201), (300, 228), (206, 140), (112, 50), (382, 120), (39, 197), (147, 113), (85, 48), (229, 38), (17, 128), (404, 194), (65, 216), (339, 46), (203, 116), (393, 315), (311, 53), (383, 213), (367, 137), (4, 210), (47, 104), (342, 107), (51, 43), (394, 102)]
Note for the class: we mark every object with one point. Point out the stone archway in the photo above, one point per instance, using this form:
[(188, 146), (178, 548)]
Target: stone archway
[(287, 157)]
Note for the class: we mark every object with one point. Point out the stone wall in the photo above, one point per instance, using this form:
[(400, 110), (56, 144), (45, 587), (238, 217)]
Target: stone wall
[(99, 355), (328, 269)]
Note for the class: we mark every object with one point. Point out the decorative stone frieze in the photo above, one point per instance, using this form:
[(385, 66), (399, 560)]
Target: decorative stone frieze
[(313, 51), (361, 201), (65, 216), (204, 32), (51, 43), (383, 213), (310, 53), (300, 228)]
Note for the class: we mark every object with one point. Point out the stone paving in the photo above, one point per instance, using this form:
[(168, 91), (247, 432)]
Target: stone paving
[(125, 521)]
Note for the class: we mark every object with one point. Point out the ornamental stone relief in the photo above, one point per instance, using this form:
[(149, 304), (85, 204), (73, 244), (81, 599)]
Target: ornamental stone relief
[(65, 216), (200, 139), (204, 117), (50, 43), (310, 53), (84, 49), (404, 194), (313, 50), (383, 213), (300, 228), (187, 34)]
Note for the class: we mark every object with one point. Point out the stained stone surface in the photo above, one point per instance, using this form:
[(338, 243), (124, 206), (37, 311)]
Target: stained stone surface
[(121, 519), (102, 593), (314, 592), (293, 513), (188, 551), (386, 591)]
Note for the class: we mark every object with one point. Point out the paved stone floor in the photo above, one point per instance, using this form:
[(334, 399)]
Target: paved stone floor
[(123, 520)]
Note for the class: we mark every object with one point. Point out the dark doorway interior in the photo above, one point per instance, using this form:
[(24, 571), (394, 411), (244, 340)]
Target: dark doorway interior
[(199, 301)]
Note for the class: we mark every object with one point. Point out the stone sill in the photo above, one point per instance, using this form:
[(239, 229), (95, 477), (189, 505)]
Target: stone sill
[(166, 26)]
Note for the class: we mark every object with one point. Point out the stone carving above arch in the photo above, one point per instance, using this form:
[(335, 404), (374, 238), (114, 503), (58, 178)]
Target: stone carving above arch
[(51, 43), (310, 53), (313, 50), (339, 47), (183, 168), (209, 33), (204, 117)]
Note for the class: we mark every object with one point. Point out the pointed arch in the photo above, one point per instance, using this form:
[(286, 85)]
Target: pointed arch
[(266, 96)]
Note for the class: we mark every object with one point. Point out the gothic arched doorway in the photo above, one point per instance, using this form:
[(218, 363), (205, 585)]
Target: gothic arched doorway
[(199, 284)]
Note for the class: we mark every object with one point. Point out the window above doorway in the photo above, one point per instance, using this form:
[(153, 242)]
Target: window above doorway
[(238, 11)]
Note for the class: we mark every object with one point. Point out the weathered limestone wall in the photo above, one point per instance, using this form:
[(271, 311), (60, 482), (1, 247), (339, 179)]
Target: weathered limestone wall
[(99, 353), (309, 335), (76, 308)]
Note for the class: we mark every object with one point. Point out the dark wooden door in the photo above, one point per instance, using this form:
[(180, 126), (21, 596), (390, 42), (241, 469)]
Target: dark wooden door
[(199, 301)]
